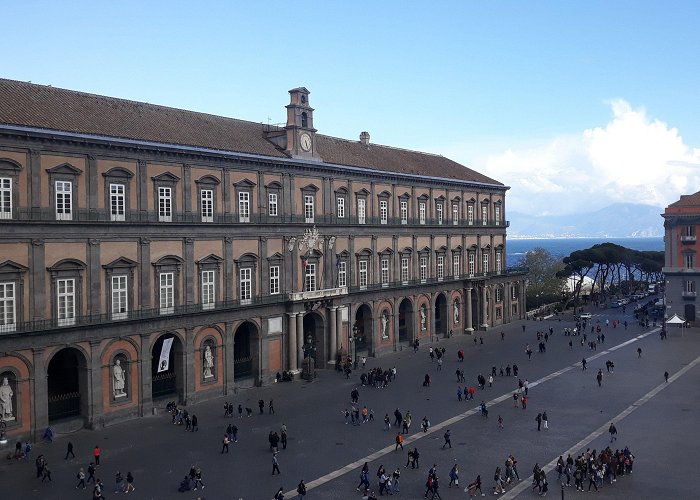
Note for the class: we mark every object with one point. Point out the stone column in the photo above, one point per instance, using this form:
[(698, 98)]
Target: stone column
[(39, 389), (187, 190), (188, 385), (94, 277), (333, 336), (146, 389), (37, 280), (145, 291), (228, 267), (94, 380), (468, 312), (484, 309), (190, 277), (92, 178), (228, 349), (292, 334), (300, 340)]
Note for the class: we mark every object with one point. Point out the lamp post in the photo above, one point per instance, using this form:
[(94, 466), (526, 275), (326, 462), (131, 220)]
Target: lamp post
[(353, 340), (309, 351)]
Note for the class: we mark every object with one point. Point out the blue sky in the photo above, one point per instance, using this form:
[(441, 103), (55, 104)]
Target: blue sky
[(575, 105)]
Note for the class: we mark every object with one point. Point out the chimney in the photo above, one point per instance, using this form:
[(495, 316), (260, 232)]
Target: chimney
[(364, 138)]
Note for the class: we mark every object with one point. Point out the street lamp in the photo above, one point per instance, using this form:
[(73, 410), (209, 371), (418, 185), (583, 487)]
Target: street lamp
[(309, 352), (353, 340)]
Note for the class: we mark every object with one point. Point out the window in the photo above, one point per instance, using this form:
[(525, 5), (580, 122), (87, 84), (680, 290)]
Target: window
[(423, 269), (117, 200), (340, 203), (689, 231), (166, 287), (243, 206), (440, 267), (499, 294), (470, 214), (165, 204), (361, 210), (421, 212), (274, 280), (363, 274), (342, 274), (690, 286), (383, 211), (513, 293), (497, 215), (455, 265), (65, 301), (206, 197), (498, 262), (484, 262), (310, 277), (514, 310), (120, 301), (385, 272), (439, 208), (498, 313), (272, 204), (455, 214), (7, 307), (404, 212), (405, 270), (308, 209), (5, 198), (472, 263), (64, 200), (208, 289), (484, 215), (689, 260), (246, 284)]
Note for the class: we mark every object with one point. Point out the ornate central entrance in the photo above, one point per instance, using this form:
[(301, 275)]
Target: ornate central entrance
[(67, 384)]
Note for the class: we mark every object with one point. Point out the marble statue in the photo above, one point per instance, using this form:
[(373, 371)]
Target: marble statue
[(423, 325), (385, 322), (208, 362), (118, 375), (6, 400), (456, 311)]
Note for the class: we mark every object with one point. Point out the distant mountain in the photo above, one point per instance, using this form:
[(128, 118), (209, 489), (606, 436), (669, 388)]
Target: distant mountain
[(620, 220)]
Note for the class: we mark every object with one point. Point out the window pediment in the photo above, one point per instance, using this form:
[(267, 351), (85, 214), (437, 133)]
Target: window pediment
[(10, 269), (384, 194), (64, 168), (276, 257), (365, 252), (244, 184), (310, 187), (169, 260), (120, 263), (274, 185), (248, 259), (423, 197), (440, 198), (362, 192), (118, 173), (208, 180), (8, 165), (67, 265), (166, 177), (210, 259)]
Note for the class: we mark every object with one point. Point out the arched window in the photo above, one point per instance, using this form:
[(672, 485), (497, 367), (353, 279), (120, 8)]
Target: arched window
[(304, 120)]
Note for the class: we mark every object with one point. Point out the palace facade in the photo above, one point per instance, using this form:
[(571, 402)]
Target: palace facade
[(151, 253)]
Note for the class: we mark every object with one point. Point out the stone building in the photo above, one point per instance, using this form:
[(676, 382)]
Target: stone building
[(681, 221), (150, 253)]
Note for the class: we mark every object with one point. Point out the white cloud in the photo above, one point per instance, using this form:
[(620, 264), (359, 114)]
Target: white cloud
[(633, 158)]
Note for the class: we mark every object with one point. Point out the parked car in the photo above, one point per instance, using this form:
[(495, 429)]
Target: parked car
[(585, 316)]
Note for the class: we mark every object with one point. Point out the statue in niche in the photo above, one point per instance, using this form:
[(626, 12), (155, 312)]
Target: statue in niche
[(456, 311), (423, 325), (6, 400), (208, 362), (385, 323), (118, 379)]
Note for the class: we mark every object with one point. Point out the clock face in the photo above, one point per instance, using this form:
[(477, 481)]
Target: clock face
[(305, 142)]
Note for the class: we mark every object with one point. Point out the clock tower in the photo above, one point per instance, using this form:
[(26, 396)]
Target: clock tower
[(301, 139)]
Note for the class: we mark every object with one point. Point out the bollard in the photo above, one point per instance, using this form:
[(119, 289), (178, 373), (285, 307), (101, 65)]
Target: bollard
[(562, 491)]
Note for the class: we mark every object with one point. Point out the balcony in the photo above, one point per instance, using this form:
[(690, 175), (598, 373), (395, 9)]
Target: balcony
[(689, 295), (687, 239), (318, 294)]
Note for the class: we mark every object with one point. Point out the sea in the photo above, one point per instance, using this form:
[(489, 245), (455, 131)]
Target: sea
[(516, 248)]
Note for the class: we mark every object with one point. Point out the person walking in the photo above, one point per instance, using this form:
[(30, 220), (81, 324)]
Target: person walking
[(129, 482), (538, 418), (261, 406), (447, 439), (271, 407), (280, 494), (666, 376), (545, 420), (500, 421), (198, 479), (613, 432), (96, 453), (639, 352), (599, 377), (436, 485), (226, 441), (399, 441), (91, 473), (46, 473), (119, 483), (275, 464), (583, 364), (81, 479), (454, 476), (301, 490), (515, 400), (283, 436), (69, 450)]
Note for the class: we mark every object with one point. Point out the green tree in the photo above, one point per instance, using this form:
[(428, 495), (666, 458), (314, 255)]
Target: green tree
[(544, 284)]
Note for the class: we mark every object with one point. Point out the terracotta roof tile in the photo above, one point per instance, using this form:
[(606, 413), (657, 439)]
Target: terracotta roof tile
[(32, 105), (687, 200)]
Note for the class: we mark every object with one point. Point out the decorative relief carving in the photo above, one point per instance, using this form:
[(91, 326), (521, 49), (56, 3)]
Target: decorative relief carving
[(37, 243), (94, 241), (228, 239), (145, 241), (331, 242), (189, 241)]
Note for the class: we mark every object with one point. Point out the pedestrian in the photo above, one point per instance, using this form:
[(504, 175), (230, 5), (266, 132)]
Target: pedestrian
[(97, 491), (27, 450), (545, 421), (96, 453), (447, 439), (69, 450), (280, 494), (639, 352), (538, 418), (459, 392), (195, 426), (226, 441), (198, 478), (46, 473), (439, 364), (399, 441), (583, 364), (129, 482), (515, 400), (523, 401), (666, 376), (476, 485), (490, 380), (270, 408), (599, 377), (283, 436), (240, 410), (275, 464), (81, 479), (500, 421), (526, 386), (119, 480), (503, 335), (91, 473), (261, 405), (613, 432), (387, 421)]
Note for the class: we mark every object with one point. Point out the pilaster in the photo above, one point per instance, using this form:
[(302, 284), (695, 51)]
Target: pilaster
[(145, 291), (190, 277), (94, 302)]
